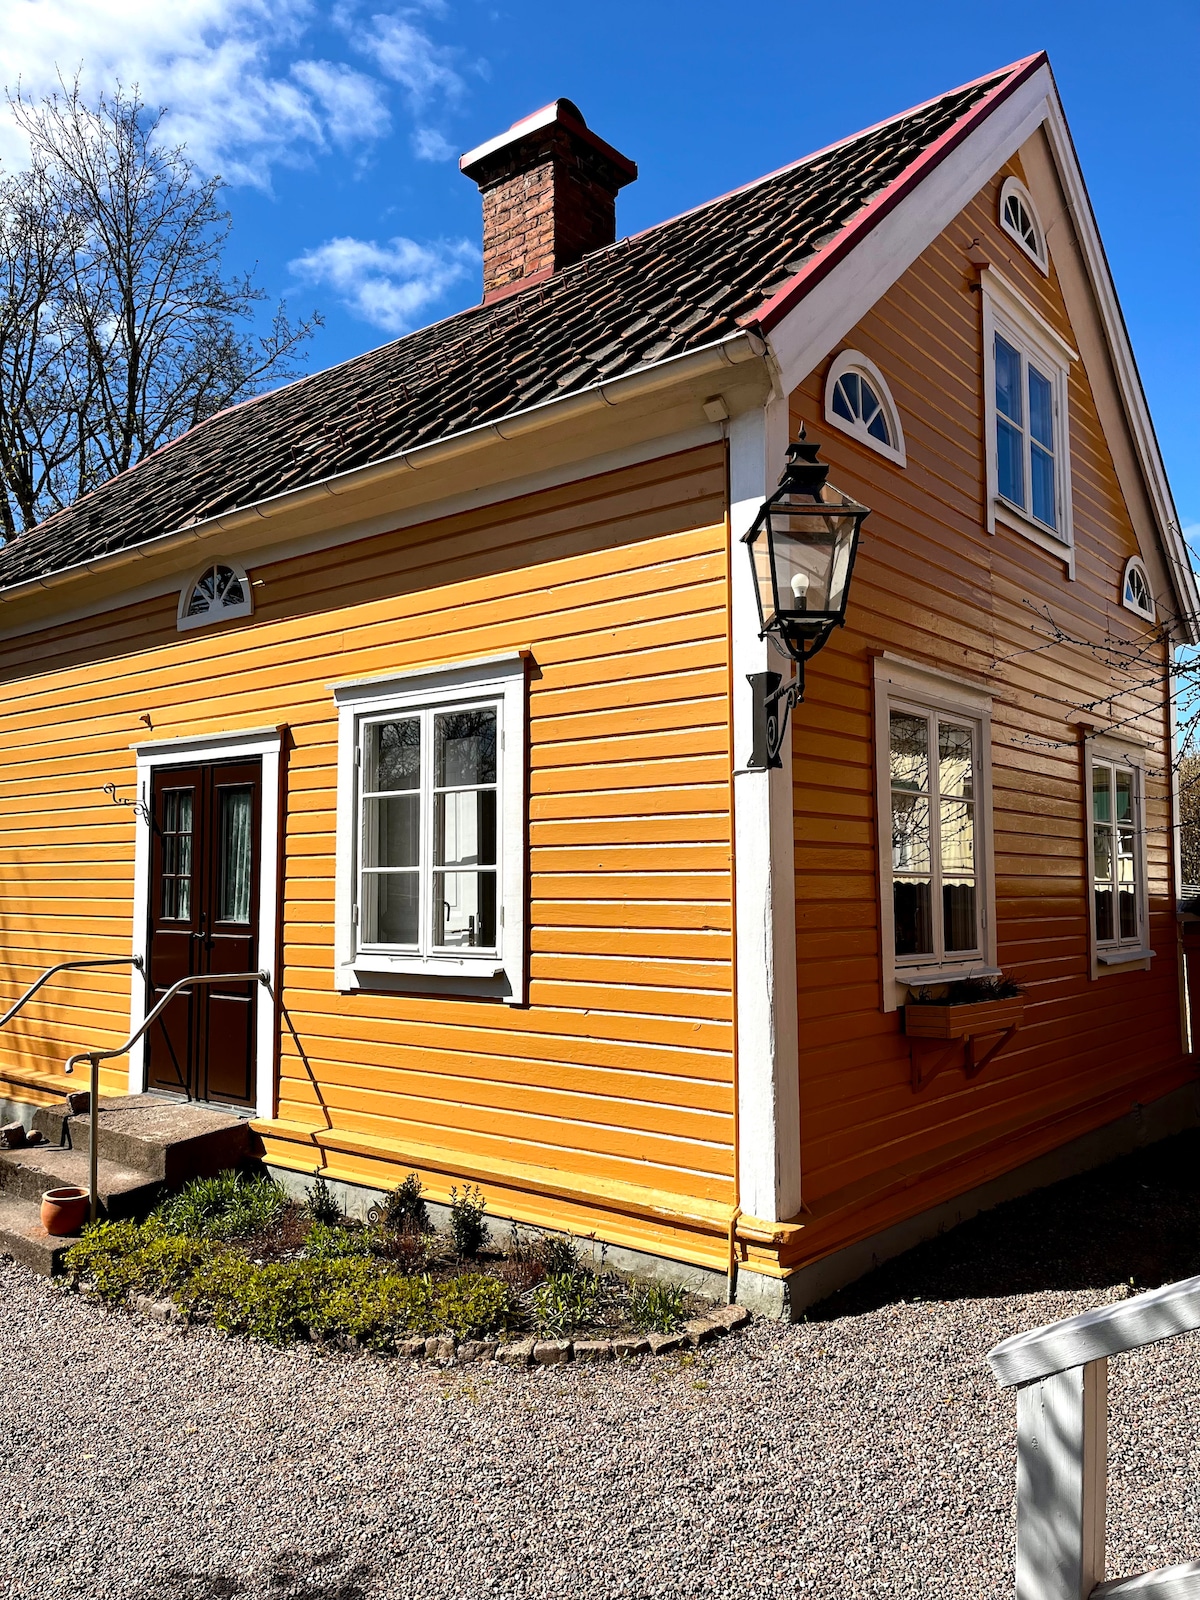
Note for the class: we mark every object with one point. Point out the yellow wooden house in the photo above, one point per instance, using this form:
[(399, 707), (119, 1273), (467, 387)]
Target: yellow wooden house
[(436, 690)]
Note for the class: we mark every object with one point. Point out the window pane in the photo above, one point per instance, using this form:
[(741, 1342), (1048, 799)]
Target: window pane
[(1041, 409), (956, 772), (1041, 485), (1124, 793), (234, 870), (394, 755), (1010, 462), (390, 902), (464, 910), (1104, 915), (464, 748), (910, 833), (1008, 381), (841, 404), (464, 828), (1103, 853), (958, 912), (1101, 794), (392, 832), (912, 901), (909, 751), (958, 836), (870, 400), (177, 855), (878, 429)]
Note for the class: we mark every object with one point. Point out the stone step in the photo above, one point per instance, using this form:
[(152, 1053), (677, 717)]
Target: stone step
[(166, 1140), (23, 1237), (27, 1173)]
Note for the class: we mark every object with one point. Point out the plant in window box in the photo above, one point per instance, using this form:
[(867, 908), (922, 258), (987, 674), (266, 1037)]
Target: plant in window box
[(965, 1011)]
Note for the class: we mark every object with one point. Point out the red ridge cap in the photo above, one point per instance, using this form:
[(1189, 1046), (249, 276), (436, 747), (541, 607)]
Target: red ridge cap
[(794, 290)]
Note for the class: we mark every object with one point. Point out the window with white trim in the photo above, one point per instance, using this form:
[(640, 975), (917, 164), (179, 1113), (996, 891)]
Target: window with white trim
[(217, 594), (1019, 219), (431, 827), (936, 886), (859, 402), (1116, 855), (1027, 438), (1136, 595)]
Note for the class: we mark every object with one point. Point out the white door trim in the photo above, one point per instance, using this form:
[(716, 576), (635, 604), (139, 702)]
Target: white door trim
[(266, 743)]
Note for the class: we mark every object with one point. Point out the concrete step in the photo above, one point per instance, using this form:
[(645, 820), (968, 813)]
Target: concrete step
[(23, 1237), (166, 1140), (26, 1174)]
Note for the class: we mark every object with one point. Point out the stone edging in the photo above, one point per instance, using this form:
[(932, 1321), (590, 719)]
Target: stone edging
[(449, 1349)]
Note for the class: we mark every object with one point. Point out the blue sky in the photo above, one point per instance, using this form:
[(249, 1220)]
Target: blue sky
[(339, 123)]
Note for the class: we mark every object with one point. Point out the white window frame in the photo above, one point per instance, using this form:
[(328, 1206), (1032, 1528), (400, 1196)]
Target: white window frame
[(1039, 257), (907, 686), (1136, 564), (1007, 312), (498, 681), (1118, 954), (855, 361), (207, 619)]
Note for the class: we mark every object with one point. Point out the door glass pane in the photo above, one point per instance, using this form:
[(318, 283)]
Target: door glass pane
[(912, 903), (464, 749), (178, 805), (464, 828), (236, 812), (464, 910), (958, 910), (393, 756), (389, 908)]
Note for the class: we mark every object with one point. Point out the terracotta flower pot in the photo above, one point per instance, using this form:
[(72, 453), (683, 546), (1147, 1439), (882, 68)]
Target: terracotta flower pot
[(63, 1210)]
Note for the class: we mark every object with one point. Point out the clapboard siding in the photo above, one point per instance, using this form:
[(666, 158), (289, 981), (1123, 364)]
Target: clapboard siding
[(932, 586), (619, 1072)]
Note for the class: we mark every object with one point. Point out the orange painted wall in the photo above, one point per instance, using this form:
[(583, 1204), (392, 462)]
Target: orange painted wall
[(933, 586), (614, 1084)]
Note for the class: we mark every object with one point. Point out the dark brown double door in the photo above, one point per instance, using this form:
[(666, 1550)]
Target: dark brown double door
[(204, 886)]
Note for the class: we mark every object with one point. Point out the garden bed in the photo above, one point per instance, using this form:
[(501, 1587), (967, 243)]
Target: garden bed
[(235, 1252)]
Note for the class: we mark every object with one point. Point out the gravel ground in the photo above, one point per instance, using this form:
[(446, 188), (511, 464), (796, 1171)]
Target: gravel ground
[(865, 1452)]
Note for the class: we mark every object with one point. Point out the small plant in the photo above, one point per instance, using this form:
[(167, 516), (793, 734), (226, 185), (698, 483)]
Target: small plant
[(322, 1204), (559, 1254), (404, 1210), (228, 1206), (567, 1301), (336, 1242), (967, 991), (658, 1307), (467, 1226)]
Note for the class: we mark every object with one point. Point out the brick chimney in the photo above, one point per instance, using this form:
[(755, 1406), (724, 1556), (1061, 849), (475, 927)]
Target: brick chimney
[(549, 189)]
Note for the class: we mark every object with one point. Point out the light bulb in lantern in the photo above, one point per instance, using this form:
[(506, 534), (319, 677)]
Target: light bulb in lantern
[(800, 589)]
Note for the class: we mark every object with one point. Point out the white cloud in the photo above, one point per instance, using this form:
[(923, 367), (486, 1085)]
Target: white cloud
[(353, 104), (221, 66), (430, 145), (405, 54), (389, 285)]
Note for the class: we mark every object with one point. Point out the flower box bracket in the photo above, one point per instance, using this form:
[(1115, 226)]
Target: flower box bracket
[(940, 1035)]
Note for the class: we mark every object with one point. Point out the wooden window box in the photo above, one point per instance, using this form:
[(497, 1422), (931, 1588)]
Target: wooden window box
[(933, 1023)]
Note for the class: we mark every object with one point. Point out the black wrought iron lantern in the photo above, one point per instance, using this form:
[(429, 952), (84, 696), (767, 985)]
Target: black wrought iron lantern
[(802, 544)]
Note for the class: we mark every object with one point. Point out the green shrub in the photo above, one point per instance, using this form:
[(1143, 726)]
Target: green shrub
[(473, 1304), (123, 1258), (275, 1302), (658, 1307), (565, 1301), (322, 1204), (404, 1211), (467, 1226), (336, 1243), (229, 1206), (559, 1254)]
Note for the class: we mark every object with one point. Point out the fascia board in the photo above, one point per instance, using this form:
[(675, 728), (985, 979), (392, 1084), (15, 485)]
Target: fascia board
[(806, 334), (1129, 382)]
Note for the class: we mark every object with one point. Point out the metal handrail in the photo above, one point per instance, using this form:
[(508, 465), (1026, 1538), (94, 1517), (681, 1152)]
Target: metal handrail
[(83, 964), (97, 1056)]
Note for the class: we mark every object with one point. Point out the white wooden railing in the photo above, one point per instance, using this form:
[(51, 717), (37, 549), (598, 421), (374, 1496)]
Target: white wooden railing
[(1061, 1376)]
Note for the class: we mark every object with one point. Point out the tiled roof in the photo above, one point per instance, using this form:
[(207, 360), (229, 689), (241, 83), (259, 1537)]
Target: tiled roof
[(675, 288)]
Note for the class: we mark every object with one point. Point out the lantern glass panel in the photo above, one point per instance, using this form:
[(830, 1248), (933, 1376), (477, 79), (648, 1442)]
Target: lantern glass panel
[(812, 559)]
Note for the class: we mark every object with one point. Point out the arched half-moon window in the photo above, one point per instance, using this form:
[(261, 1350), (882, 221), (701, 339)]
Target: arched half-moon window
[(1019, 218), (859, 402), (1135, 589), (217, 594)]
